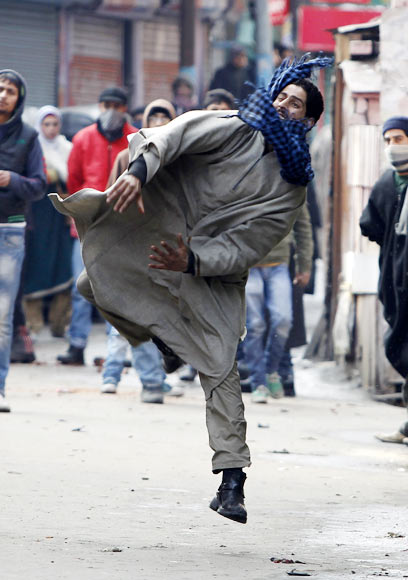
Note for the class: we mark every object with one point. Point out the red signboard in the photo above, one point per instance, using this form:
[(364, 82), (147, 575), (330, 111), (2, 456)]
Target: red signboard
[(314, 24), (278, 10)]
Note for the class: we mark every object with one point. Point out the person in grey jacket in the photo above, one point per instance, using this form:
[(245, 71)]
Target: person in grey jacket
[(214, 178)]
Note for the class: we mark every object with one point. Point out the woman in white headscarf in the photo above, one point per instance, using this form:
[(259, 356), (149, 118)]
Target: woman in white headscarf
[(49, 244)]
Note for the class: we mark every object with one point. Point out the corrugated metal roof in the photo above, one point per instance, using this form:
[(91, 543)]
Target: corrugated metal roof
[(350, 28)]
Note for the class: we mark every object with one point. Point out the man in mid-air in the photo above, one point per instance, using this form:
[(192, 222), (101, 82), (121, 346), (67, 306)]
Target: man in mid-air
[(168, 247)]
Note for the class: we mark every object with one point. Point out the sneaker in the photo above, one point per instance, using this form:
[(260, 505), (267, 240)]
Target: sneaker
[(260, 395), (173, 390), (109, 388), (22, 346), (189, 374), (4, 407), (396, 437), (152, 394), (274, 385)]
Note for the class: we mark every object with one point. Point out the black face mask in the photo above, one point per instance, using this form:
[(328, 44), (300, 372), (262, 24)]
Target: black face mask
[(111, 123)]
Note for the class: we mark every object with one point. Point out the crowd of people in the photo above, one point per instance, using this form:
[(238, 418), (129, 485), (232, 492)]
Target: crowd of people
[(217, 196), (97, 156)]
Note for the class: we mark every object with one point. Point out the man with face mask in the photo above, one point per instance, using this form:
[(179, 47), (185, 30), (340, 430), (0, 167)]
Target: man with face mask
[(385, 221), (91, 160)]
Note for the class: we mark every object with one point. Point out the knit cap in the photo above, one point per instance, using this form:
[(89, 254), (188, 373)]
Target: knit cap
[(396, 123)]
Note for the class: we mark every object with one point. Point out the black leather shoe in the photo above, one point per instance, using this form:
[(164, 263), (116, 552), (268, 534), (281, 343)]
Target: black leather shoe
[(289, 387), (73, 356), (229, 501)]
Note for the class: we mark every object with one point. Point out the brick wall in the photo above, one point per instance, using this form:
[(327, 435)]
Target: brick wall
[(96, 59), (89, 76), (160, 58)]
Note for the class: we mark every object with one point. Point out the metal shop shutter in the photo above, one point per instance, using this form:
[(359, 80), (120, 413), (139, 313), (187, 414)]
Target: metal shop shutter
[(96, 59), (29, 45)]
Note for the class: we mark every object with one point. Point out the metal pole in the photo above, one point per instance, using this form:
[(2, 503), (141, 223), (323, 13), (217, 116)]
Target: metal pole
[(264, 43), (187, 38)]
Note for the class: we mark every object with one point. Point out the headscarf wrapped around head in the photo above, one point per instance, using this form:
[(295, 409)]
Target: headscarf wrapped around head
[(56, 150), (287, 136), (45, 112)]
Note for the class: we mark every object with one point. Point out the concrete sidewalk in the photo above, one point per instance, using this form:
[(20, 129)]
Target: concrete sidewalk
[(101, 486)]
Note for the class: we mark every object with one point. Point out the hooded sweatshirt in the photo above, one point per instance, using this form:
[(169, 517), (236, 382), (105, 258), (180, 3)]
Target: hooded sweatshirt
[(161, 104), (21, 154)]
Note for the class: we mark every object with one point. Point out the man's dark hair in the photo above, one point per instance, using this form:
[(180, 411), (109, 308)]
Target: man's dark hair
[(218, 96), (314, 99), (16, 81), (178, 82)]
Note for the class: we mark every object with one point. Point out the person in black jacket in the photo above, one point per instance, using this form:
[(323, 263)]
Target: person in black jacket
[(233, 76), (385, 221), (22, 179)]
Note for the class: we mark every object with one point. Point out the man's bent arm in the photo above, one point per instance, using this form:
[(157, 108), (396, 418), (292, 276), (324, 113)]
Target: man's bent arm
[(303, 234), (372, 224), (240, 248), (192, 133)]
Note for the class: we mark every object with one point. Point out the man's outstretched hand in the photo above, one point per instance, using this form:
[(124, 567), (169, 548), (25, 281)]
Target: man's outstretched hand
[(125, 191), (169, 258)]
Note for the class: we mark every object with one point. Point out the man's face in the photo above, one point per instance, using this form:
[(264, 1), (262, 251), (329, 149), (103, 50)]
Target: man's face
[(8, 98), (291, 103), (395, 137), (221, 106), (184, 92), (106, 105), (240, 60), (157, 120)]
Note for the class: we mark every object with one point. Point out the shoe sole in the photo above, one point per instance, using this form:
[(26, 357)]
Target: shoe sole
[(215, 506)]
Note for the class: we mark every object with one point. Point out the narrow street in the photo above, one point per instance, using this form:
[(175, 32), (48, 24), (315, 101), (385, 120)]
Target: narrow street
[(101, 486)]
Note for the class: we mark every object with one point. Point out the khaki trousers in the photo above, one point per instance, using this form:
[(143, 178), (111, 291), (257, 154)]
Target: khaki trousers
[(226, 423), (224, 406)]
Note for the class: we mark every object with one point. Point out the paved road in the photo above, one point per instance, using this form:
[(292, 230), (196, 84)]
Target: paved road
[(101, 486)]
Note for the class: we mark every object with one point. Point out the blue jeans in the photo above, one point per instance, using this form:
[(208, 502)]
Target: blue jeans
[(11, 261), (146, 361), (286, 366), (81, 320), (269, 320)]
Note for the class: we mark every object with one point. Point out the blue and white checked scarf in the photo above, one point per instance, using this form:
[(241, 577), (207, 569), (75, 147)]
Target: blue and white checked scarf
[(287, 136)]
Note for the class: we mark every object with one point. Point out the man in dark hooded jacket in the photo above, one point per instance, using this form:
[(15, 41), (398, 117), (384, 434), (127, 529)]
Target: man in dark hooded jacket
[(233, 76), (385, 221), (22, 180)]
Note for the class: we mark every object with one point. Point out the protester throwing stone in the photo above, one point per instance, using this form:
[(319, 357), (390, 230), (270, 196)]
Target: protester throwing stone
[(168, 247)]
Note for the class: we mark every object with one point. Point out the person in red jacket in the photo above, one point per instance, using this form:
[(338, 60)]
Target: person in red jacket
[(92, 157)]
